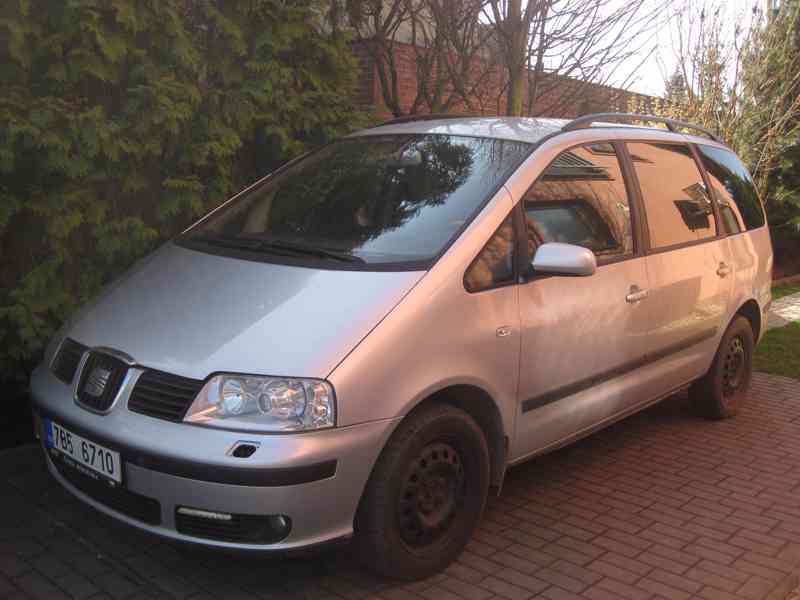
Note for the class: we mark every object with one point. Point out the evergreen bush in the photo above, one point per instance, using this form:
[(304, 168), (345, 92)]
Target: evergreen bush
[(121, 121)]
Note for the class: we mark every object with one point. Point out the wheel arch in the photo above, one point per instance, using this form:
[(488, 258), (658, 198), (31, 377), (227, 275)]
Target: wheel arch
[(479, 404), (752, 312)]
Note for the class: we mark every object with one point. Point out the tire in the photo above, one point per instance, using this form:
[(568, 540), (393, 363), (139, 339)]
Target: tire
[(425, 495), (721, 392)]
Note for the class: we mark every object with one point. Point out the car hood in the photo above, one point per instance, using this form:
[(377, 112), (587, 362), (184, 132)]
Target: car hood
[(192, 314)]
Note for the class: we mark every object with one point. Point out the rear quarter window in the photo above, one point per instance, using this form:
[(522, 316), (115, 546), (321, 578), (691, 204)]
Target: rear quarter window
[(733, 187)]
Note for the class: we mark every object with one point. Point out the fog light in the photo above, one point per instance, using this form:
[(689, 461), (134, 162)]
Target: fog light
[(279, 524), (232, 527)]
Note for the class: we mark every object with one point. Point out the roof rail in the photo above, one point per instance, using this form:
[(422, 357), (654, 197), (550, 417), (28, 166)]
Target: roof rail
[(425, 117), (672, 124)]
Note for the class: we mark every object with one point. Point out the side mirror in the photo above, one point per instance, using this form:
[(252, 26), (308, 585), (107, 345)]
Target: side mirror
[(564, 259)]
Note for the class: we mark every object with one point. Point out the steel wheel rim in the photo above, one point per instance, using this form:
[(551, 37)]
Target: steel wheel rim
[(431, 495), (733, 367)]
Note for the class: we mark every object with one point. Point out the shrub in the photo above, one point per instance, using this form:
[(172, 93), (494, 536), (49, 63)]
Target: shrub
[(121, 121)]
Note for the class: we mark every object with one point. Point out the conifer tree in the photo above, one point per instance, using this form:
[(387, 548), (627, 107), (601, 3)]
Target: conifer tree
[(121, 121)]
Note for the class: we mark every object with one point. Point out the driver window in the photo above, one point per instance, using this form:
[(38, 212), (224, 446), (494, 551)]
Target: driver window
[(581, 199)]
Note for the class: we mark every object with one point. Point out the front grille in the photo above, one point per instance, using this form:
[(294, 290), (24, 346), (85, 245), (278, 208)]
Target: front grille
[(245, 529), (131, 504), (100, 380), (163, 395), (66, 361)]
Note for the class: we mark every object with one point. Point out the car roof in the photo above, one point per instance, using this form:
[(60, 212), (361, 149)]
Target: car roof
[(521, 129)]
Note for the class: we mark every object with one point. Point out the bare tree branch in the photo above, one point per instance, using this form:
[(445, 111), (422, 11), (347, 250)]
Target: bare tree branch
[(582, 39)]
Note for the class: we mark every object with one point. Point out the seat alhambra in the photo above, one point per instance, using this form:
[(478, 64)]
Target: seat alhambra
[(360, 344)]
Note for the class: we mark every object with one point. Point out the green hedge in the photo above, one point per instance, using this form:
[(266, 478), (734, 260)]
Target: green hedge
[(121, 121)]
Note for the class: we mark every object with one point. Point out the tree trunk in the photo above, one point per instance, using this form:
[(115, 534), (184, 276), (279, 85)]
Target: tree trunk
[(533, 83), (516, 90), (517, 37)]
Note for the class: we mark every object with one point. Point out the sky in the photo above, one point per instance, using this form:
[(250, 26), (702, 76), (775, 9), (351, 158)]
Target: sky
[(649, 79)]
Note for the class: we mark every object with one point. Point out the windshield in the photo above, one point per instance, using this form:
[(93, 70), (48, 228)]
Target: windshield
[(371, 200)]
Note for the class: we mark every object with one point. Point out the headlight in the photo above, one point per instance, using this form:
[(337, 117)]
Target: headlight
[(255, 403)]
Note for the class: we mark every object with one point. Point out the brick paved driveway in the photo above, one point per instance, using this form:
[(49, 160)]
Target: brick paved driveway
[(662, 505)]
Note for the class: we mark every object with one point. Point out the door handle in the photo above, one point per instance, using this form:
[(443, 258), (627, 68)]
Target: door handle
[(636, 294), (723, 270)]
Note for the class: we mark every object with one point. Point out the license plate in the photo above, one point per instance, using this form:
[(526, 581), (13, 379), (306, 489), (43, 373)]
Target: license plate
[(87, 456)]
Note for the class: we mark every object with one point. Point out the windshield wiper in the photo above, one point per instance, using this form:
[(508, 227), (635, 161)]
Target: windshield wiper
[(278, 247), (230, 242), (311, 251)]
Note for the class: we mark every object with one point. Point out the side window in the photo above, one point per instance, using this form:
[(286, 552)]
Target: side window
[(581, 199), (494, 265), (739, 205), (678, 208)]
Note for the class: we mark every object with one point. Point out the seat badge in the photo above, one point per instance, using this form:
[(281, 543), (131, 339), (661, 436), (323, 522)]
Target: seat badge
[(96, 382)]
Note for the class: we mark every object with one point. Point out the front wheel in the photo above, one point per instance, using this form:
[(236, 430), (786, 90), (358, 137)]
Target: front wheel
[(720, 393), (426, 494)]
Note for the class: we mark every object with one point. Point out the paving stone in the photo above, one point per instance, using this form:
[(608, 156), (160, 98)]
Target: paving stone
[(51, 565), (76, 586), (756, 588), (116, 584), (27, 548), (662, 590), (614, 572), (6, 587), (784, 311), (13, 566), (37, 586)]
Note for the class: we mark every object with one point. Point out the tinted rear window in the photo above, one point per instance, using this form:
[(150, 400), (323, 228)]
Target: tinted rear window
[(739, 205), (679, 211)]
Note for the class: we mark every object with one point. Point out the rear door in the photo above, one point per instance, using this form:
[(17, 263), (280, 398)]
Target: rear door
[(687, 264), (742, 218), (581, 336)]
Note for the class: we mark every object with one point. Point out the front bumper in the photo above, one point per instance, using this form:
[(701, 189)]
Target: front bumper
[(315, 479)]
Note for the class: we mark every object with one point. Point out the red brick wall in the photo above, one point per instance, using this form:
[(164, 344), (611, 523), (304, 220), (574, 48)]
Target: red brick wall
[(559, 96)]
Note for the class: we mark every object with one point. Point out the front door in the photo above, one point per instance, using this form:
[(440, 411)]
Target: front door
[(582, 337)]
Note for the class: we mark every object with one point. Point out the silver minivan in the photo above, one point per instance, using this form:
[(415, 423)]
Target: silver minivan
[(360, 344)]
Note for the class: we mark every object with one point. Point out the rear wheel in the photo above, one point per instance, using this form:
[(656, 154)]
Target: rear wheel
[(426, 494), (721, 391)]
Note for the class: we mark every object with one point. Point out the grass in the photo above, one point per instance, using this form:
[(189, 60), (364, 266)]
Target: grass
[(779, 351), (785, 290)]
